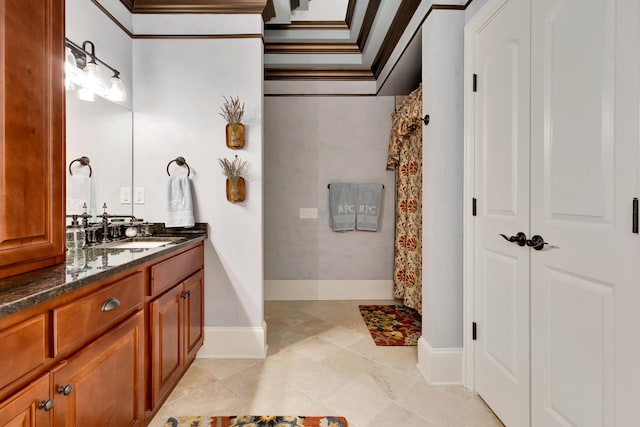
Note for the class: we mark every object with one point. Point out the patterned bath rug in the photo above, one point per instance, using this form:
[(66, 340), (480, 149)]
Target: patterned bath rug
[(256, 421), (392, 325)]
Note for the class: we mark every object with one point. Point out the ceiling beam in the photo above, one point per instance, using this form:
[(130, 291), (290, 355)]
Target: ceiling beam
[(309, 25)]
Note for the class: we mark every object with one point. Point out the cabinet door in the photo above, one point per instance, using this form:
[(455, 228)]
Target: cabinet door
[(193, 315), (23, 409), (106, 380), (31, 135), (167, 355)]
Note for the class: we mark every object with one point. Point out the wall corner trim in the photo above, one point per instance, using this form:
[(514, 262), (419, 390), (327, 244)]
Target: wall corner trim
[(439, 366), (243, 342)]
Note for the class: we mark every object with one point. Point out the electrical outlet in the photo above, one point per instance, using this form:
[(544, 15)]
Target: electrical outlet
[(138, 196), (308, 213), (125, 195)]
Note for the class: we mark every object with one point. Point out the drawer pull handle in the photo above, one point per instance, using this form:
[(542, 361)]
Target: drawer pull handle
[(110, 304), (65, 389), (46, 405)]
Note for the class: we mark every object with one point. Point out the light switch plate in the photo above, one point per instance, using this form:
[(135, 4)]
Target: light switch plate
[(138, 196), (308, 213), (125, 195)]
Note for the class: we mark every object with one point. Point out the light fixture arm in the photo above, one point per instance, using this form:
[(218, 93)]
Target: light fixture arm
[(81, 54)]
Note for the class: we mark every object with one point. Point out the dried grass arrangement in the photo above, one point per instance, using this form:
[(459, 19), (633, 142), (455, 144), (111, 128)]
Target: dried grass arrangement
[(233, 169), (231, 110)]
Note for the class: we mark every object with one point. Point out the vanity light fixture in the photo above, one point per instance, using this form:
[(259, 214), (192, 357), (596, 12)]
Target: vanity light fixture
[(81, 68)]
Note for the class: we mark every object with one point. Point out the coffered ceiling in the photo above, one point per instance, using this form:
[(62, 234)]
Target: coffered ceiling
[(363, 47)]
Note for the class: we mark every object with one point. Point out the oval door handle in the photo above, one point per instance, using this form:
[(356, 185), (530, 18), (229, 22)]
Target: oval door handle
[(536, 242), (520, 238), (110, 304), (46, 405), (65, 389)]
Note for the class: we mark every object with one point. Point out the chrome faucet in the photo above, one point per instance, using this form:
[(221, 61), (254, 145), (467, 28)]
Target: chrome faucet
[(105, 222)]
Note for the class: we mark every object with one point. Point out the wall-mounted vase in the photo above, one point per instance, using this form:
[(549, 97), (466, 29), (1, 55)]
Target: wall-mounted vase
[(235, 135), (235, 189)]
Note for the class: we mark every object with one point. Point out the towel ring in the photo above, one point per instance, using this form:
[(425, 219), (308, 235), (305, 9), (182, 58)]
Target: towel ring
[(329, 186), (84, 161), (180, 161)]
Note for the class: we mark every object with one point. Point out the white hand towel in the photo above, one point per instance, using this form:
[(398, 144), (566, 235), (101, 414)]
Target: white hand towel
[(80, 190), (179, 207), (342, 206), (368, 206)]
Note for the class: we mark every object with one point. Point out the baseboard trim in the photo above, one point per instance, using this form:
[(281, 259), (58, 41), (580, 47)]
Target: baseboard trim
[(234, 343), (439, 366), (312, 290)]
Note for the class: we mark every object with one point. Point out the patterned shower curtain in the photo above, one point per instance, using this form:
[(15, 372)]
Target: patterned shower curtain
[(405, 157)]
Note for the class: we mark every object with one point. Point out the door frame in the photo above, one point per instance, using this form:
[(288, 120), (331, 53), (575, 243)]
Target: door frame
[(477, 22)]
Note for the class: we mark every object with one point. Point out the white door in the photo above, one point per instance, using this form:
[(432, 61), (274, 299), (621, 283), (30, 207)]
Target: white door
[(501, 274), (585, 285)]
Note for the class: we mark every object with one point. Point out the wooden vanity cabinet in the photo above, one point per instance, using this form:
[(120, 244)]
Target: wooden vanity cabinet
[(104, 380), (32, 136), (78, 359), (176, 323), (27, 408)]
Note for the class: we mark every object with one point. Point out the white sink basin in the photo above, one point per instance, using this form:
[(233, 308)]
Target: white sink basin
[(140, 244)]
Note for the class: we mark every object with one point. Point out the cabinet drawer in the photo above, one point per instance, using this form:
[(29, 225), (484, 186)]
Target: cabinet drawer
[(23, 348), (81, 318), (175, 269)]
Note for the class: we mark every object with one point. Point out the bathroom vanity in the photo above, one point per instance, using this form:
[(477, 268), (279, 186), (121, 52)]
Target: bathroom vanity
[(101, 340)]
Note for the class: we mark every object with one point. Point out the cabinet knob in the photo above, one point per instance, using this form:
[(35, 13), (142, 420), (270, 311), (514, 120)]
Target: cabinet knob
[(110, 304), (46, 405), (65, 389)]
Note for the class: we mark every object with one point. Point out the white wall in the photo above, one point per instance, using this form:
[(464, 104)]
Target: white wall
[(179, 88), (311, 142), (442, 78)]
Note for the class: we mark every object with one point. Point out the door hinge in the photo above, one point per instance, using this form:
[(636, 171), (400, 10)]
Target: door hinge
[(475, 82), (473, 207), (634, 225), (474, 332)]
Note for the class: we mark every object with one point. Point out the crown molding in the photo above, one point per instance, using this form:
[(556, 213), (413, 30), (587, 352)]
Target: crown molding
[(313, 48), (195, 6), (318, 74), (367, 22), (351, 7), (309, 25)]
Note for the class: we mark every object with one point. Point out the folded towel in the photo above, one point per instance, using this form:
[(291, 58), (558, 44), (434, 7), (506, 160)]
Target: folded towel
[(179, 208), (342, 206), (368, 203), (80, 190)]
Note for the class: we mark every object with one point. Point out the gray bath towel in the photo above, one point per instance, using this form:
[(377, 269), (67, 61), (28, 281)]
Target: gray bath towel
[(368, 203), (342, 206)]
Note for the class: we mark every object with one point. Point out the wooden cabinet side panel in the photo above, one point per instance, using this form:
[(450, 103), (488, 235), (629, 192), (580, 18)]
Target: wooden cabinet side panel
[(166, 343), (194, 315), (31, 134), (107, 379), (21, 410)]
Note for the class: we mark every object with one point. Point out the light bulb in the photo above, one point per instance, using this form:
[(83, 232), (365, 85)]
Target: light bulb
[(117, 93), (93, 81), (85, 94), (70, 69)]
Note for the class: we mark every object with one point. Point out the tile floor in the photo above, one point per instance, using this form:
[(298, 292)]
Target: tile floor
[(322, 361)]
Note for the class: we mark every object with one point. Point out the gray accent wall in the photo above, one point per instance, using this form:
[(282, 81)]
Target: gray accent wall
[(309, 142)]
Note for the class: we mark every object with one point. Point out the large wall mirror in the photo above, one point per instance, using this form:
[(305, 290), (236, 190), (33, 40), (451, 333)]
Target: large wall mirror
[(102, 131)]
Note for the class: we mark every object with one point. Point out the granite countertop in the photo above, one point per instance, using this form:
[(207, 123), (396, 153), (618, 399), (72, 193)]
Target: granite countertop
[(86, 266)]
